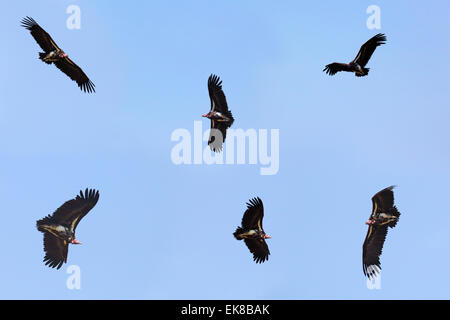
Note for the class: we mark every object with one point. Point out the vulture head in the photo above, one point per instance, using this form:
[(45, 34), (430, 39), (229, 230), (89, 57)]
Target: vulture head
[(75, 241)]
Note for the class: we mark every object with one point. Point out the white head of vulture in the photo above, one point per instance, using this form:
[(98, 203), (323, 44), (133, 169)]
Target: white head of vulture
[(59, 228), (384, 214)]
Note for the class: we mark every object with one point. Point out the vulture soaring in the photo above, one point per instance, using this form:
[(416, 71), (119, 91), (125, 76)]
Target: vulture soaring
[(252, 231), (384, 215), (221, 118), (53, 54), (59, 228), (358, 64)]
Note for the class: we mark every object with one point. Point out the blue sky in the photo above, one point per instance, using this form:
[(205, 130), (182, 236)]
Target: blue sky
[(161, 231)]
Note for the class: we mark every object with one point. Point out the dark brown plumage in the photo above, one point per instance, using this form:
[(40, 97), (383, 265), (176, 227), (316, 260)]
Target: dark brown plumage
[(384, 214), (59, 228), (219, 114), (252, 232), (362, 58), (53, 54)]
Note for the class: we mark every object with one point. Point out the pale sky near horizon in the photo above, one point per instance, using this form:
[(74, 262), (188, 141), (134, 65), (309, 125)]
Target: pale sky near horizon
[(164, 231)]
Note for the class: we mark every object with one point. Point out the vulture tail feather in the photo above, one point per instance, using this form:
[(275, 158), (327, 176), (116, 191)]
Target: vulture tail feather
[(44, 221), (238, 232), (395, 213), (365, 72)]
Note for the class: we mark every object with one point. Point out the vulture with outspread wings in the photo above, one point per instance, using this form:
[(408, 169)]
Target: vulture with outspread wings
[(358, 64), (53, 54), (221, 118), (59, 228), (252, 232), (384, 215)]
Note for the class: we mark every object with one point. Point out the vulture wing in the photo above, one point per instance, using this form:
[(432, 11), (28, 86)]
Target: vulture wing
[(218, 104), (372, 249), (336, 67), (259, 249), (72, 211), (216, 140), (254, 214), (368, 48), (217, 97), (383, 201), (40, 35), (55, 251), (75, 73)]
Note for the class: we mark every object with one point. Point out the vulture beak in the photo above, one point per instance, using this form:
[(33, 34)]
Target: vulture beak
[(205, 115), (75, 241), (266, 236)]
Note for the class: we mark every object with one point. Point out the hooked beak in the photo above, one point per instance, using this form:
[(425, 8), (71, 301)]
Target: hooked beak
[(266, 236), (75, 241), (205, 115)]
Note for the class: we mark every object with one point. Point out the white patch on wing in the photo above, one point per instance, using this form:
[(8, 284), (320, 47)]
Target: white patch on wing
[(249, 233), (60, 229)]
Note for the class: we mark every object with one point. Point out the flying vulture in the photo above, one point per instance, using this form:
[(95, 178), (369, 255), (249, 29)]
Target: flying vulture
[(252, 231), (358, 64), (53, 54), (59, 228), (221, 118), (384, 215)]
